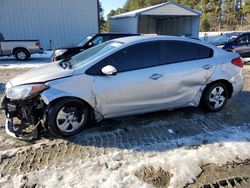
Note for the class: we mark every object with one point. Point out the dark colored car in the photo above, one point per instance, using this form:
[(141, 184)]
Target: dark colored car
[(238, 42), (88, 42)]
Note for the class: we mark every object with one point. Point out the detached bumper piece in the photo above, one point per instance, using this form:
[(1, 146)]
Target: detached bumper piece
[(20, 132), (9, 128), (23, 117)]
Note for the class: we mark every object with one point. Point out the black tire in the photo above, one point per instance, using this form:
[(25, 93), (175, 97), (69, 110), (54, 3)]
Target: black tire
[(22, 54), (67, 106), (211, 102)]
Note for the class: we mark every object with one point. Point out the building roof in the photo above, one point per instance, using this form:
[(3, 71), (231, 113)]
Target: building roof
[(164, 9)]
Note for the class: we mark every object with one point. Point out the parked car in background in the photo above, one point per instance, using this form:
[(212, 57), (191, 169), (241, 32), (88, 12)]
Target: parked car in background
[(122, 77), (88, 42), (238, 42), (21, 49)]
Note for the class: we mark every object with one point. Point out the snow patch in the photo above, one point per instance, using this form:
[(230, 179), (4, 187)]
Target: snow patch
[(117, 168), (36, 60)]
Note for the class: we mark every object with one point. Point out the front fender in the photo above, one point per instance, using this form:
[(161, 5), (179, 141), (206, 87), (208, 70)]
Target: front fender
[(79, 86)]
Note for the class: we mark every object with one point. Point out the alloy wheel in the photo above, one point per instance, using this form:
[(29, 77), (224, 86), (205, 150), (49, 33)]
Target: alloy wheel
[(70, 118), (217, 97)]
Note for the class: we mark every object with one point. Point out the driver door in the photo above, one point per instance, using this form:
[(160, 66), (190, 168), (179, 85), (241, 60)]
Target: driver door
[(136, 87)]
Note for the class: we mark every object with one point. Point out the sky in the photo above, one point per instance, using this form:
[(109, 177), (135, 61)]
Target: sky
[(108, 5)]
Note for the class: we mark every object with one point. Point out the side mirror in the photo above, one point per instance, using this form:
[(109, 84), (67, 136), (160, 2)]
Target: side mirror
[(109, 70)]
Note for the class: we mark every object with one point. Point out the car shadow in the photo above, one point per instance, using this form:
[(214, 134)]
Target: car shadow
[(164, 130)]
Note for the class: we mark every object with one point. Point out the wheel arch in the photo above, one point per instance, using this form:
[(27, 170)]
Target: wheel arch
[(228, 85), (90, 107), (19, 48)]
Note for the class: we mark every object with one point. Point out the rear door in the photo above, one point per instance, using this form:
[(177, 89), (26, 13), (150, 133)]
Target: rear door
[(186, 68)]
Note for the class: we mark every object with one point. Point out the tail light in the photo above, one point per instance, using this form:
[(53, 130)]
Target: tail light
[(239, 62), (37, 43)]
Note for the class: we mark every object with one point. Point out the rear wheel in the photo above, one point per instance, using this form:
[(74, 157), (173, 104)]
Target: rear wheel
[(214, 97), (22, 54), (67, 117)]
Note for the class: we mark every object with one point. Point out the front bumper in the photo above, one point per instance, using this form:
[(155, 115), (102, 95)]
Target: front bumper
[(23, 117), (10, 129)]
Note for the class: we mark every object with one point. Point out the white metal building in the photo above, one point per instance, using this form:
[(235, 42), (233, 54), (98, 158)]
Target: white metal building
[(64, 22), (164, 19)]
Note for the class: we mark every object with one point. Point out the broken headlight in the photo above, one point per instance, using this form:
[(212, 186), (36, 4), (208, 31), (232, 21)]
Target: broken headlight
[(25, 91)]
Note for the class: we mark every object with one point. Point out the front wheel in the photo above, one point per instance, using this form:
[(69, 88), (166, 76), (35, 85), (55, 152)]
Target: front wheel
[(214, 97), (67, 117)]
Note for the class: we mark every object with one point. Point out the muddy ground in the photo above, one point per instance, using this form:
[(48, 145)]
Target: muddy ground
[(141, 135)]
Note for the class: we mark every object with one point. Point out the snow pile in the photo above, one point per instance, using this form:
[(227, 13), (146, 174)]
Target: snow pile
[(117, 168), (36, 60)]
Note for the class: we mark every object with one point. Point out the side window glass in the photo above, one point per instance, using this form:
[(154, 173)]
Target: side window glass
[(178, 51), (243, 40), (97, 40), (139, 56), (106, 38), (205, 52), (97, 68)]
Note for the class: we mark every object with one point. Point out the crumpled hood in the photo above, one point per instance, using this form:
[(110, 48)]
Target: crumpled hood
[(42, 74)]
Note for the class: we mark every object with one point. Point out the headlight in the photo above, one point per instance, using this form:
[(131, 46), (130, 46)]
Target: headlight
[(60, 52), (22, 92), (221, 46)]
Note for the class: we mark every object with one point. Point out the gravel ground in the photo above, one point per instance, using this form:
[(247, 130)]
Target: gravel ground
[(139, 138)]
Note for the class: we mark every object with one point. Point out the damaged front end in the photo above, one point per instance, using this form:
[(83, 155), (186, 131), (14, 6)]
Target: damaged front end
[(25, 115)]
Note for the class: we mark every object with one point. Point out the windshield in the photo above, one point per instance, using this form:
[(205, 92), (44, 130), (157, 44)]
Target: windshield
[(83, 42), (228, 37), (94, 52)]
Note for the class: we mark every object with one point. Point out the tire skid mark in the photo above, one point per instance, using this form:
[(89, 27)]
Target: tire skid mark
[(57, 152)]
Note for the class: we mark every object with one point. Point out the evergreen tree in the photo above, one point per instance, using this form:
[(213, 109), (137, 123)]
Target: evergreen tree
[(246, 11), (216, 14), (102, 19)]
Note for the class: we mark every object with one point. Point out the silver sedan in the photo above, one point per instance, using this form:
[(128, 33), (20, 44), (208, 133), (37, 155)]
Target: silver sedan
[(122, 77)]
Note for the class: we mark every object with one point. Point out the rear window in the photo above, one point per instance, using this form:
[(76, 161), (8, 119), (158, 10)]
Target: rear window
[(179, 51)]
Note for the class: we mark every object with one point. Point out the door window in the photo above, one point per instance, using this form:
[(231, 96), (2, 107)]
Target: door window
[(243, 40), (138, 56), (179, 51), (97, 40)]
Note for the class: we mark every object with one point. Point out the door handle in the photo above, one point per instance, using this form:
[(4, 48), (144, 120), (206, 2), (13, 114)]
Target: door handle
[(207, 67), (155, 76)]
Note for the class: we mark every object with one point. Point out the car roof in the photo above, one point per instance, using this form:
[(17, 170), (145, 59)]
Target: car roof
[(238, 33), (110, 33), (137, 39)]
